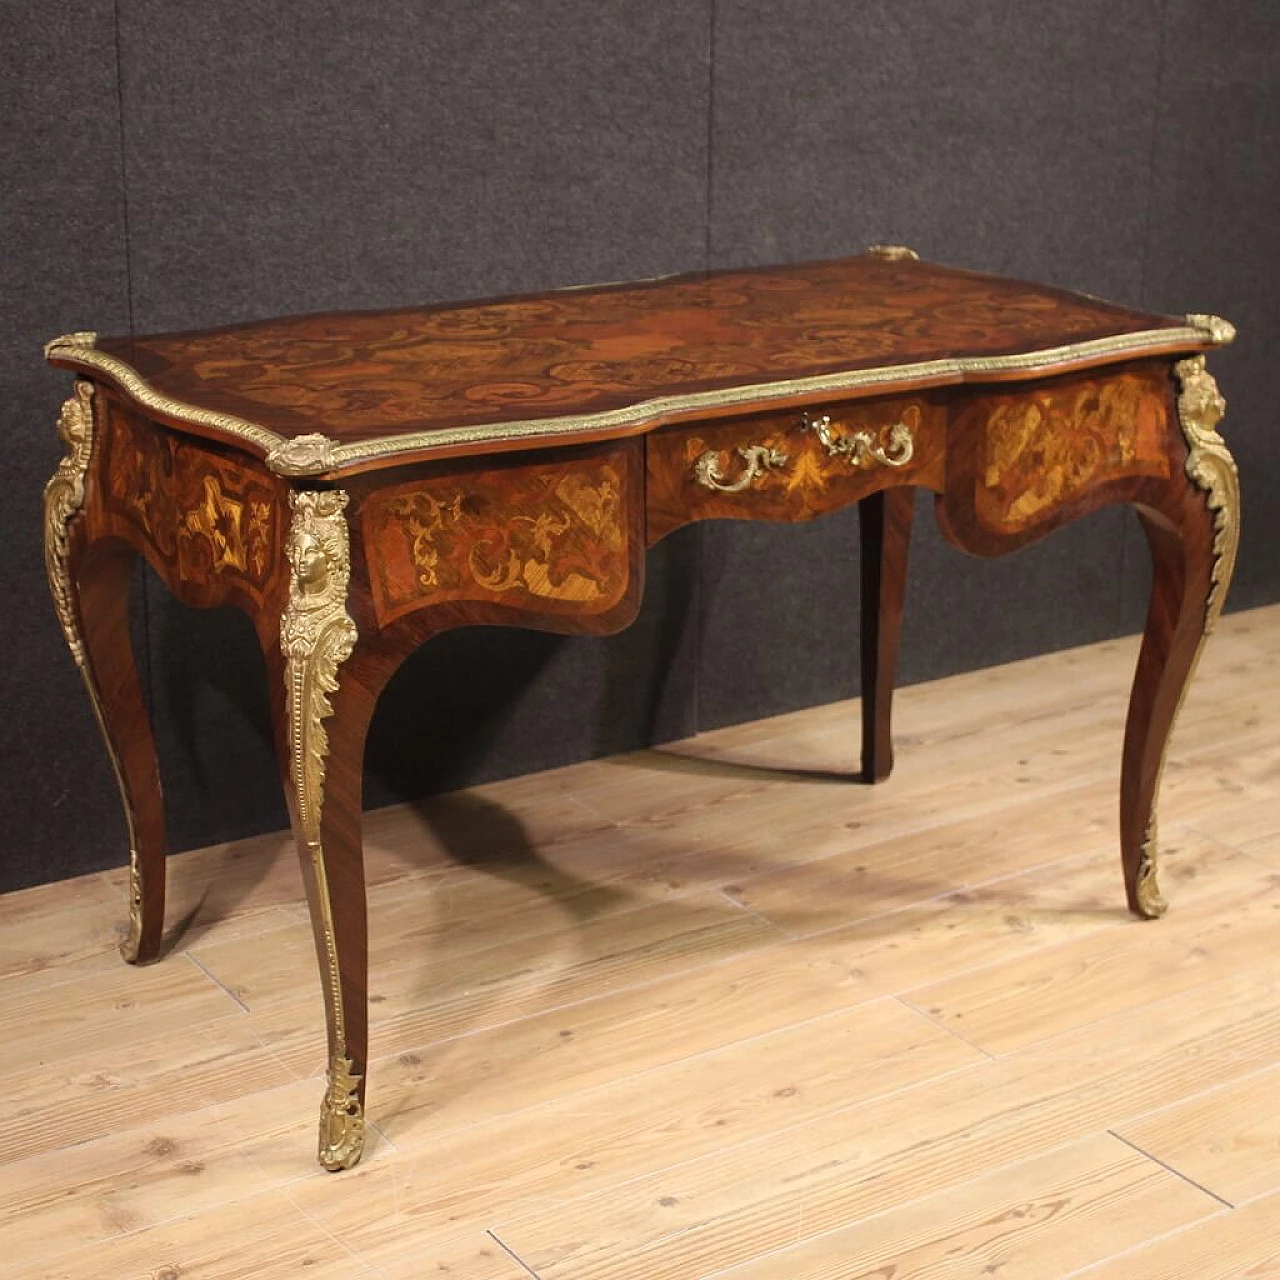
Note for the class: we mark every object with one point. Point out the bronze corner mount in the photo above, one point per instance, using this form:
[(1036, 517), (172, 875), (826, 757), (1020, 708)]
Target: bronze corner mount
[(1221, 332), (892, 253), (308, 455), (67, 344)]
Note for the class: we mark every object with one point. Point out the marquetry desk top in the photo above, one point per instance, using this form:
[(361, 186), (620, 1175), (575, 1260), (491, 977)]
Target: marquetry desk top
[(362, 388), (359, 483)]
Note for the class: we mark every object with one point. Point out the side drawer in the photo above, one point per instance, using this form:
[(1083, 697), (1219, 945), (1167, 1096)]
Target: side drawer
[(792, 464)]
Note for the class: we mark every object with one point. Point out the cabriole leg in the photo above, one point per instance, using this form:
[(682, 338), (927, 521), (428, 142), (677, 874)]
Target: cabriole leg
[(90, 587), (312, 700), (1193, 550), (885, 520)]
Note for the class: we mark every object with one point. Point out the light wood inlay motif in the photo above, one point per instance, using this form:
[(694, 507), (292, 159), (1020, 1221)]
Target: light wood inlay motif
[(360, 375), (550, 534), (203, 513), (1044, 448)]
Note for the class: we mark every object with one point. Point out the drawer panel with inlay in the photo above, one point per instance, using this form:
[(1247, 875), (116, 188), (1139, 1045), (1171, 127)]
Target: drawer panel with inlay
[(792, 464)]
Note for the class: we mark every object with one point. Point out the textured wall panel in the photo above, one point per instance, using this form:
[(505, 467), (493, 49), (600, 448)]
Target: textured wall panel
[(999, 136), (287, 158), (62, 267), (1214, 238), (313, 156)]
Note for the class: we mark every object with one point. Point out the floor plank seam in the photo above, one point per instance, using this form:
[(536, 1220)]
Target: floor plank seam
[(381, 1135), (789, 934), (898, 1207), (217, 982), (104, 953), (1092, 1268), (1121, 920), (511, 1253), (587, 1000), (1242, 848), (886, 833), (1177, 1173), (1222, 1086), (83, 1204), (324, 1230), (941, 1026), (635, 1076), (1270, 1193), (943, 894), (728, 1149)]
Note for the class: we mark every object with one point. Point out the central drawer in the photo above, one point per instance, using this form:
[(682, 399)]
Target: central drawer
[(792, 464)]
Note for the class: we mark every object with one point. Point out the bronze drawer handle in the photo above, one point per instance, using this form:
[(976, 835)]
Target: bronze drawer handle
[(861, 447), (759, 458)]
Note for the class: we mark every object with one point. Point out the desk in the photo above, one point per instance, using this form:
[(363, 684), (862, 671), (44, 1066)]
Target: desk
[(359, 483)]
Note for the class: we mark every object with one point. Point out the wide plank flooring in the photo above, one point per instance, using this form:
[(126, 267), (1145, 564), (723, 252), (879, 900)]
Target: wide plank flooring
[(710, 1010)]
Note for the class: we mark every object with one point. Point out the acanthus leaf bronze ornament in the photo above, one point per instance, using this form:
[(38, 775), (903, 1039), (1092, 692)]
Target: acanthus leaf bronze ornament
[(892, 253), (342, 1126), (308, 455), (63, 501), (1211, 468), (861, 448), (316, 636), (133, 939), (1151, 903), (759, 460)]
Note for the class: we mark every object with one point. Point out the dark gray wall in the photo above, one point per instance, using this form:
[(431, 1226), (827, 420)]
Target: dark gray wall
[(181, 165)]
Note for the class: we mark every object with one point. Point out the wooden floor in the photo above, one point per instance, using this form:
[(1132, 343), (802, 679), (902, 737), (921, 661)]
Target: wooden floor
[(703, 1011)]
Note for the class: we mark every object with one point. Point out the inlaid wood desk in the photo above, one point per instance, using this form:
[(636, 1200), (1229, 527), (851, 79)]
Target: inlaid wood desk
[(359, 483)]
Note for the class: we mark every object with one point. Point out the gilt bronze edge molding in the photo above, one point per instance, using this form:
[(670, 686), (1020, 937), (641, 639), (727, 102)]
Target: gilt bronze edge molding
[(316, 455), (767, 394), (81, 349)]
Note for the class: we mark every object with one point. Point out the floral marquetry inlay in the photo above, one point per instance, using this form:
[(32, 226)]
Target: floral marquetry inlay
[(1043, 448), (206, 515), (553, 535)]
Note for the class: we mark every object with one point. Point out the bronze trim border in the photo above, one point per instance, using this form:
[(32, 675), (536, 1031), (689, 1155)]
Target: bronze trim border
[(80, 349)]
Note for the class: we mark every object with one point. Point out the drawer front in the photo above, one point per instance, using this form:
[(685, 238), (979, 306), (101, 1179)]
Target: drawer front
[(1049, 446), (792, 464), (557, 535)]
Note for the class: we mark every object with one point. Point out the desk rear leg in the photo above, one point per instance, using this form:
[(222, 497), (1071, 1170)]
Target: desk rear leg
[(885, 520)]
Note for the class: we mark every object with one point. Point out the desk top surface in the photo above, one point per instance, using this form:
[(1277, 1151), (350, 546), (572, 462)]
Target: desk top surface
[(339, 392)]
